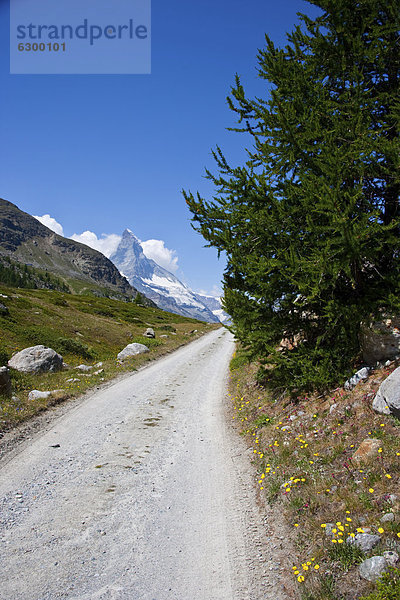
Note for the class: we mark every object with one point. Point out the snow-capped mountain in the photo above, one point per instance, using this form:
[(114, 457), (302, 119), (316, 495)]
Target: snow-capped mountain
[(157, 283), (214, 304)]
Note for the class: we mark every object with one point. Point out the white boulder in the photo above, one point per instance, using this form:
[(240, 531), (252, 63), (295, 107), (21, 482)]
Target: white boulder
[(36, 359), (387, 399), (132, 350)]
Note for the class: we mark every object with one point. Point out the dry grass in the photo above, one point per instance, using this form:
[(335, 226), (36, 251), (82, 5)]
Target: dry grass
[(304, 451)]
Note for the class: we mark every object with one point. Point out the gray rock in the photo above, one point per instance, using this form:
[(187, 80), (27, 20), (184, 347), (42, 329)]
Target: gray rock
[(364, 541), (98, 365), (328, 529), (357, 377), (36, 359), (84, 368), (387, 518), (372, 568), (163, 335), (132, 350), (332, 408), (380, 341), (392, 498), (392, 558), (37, 394), (5, 382), (149, 333), (387, 399), (3, 310)]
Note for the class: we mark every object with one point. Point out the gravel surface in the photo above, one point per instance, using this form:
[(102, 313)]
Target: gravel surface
[(143, 491)]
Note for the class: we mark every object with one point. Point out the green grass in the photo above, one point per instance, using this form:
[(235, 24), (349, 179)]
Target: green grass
[(81, 328)]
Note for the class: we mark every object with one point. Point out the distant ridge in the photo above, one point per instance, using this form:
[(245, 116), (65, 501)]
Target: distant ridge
[(24, 239)]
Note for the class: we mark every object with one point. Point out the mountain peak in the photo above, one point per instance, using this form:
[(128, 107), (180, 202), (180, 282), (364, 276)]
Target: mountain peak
[(128, 234), (157, 283)]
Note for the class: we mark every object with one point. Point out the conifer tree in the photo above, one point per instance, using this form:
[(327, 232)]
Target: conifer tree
[(310, 223)]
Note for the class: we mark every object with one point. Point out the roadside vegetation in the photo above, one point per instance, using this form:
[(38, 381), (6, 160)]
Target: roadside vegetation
[(309, 222), (304, 455), (83, 329)]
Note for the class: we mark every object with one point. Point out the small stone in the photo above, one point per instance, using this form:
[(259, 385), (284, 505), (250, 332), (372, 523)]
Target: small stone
[(84, 368), (372, 568), (328, 529), (367, 450), (387, 518), (38, 395), (332, 408), (364, 541), (149, 333), (361, 375)]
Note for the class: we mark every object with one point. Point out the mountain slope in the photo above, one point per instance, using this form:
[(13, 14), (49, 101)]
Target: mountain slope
[(157, 283), (214, 304), (24, 239)]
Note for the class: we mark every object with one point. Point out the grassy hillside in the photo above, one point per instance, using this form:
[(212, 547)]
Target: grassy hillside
[(84, 329), (304, 453)]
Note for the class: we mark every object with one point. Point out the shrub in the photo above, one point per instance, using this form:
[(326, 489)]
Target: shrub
[(76, 347), (238, 361), (388, 587), (4, 357)]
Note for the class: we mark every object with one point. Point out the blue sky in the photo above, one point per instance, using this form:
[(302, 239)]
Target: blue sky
[(100, 153)]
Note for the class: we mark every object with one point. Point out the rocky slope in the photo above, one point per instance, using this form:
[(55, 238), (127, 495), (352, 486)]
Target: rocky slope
[(24, 239), (157, 283)]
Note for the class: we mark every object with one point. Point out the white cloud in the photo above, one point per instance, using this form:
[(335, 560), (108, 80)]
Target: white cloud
[(51, 223), (106, 244), (156, 250)]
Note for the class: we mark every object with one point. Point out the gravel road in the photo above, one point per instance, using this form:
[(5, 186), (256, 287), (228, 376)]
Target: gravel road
[(141, 492)]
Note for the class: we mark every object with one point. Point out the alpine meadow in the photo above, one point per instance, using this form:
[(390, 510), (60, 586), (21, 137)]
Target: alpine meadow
[(310, 223)]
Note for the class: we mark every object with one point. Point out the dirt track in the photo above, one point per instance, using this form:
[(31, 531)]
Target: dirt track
[(141, 492)]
